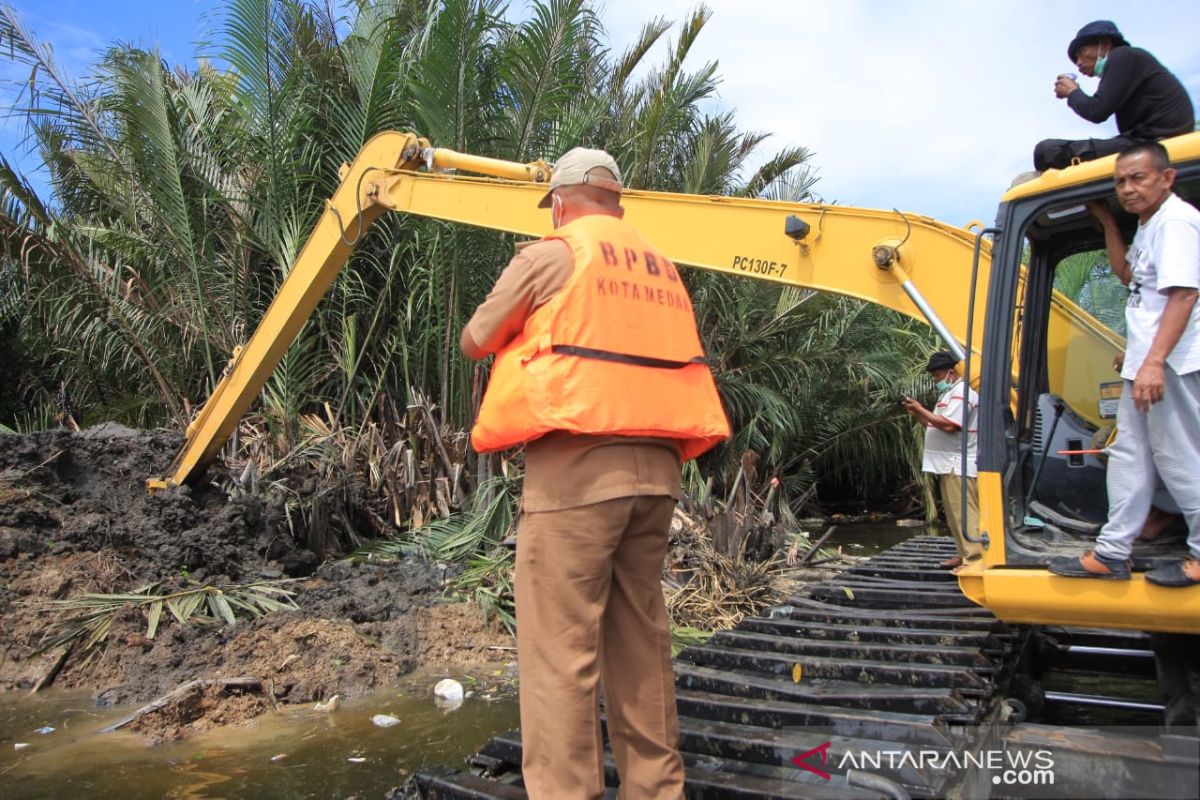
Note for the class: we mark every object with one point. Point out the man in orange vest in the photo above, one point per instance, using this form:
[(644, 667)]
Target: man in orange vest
[(599, 373)]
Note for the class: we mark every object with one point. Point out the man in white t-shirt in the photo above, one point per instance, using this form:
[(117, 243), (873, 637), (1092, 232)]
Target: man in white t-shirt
[(944, 433), (1158, 419)]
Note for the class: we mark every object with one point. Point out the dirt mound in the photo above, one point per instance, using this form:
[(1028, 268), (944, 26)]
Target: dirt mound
[(75, 518), (62, 492), (200, 708)]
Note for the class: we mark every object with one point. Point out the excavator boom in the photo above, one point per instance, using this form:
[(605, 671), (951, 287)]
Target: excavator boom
[(856, 252)]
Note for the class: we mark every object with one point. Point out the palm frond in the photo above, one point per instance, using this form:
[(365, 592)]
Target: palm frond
[(631, 59), (778, 170), (463, 535), (488, 580), (88, 618), (540, 67)]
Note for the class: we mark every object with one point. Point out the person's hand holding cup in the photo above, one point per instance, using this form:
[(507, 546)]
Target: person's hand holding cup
[(1065, 84)]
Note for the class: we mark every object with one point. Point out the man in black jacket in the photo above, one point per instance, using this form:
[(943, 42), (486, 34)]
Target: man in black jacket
[(1150, 102)]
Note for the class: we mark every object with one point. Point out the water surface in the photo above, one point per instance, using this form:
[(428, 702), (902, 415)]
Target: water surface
[(315, 755)]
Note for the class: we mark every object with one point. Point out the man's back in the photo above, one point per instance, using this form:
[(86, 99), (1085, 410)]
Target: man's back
[(1150, 103)]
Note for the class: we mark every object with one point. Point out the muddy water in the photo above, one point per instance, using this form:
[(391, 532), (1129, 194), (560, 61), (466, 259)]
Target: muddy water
[(295, 753), (869, 538)]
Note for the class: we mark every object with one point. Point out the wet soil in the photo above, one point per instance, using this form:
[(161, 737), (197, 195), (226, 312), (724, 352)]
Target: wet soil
[(201, 710), (75, 518)]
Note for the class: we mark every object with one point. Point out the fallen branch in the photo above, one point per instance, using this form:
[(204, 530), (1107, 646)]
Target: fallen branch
[(812, 552), (182, 691), (55, 668)]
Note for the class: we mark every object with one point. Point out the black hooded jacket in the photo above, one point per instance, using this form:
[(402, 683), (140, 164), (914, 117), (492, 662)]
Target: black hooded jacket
[(1150, 102)]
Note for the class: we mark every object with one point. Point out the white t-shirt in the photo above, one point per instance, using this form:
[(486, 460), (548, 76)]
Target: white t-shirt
[(1165, 253), (943, 451)]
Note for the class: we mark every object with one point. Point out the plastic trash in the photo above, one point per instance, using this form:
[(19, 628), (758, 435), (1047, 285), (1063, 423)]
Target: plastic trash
[(448, 694), (780, 612), (330, 705), (44, 730), (278, 757), (448, 689), (384, 720), (20, 745)]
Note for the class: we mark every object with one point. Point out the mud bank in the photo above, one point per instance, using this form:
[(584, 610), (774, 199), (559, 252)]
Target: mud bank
[(75, 519)]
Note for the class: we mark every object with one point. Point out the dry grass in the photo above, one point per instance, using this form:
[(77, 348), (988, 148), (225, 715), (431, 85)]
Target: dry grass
[(398, 470), (709, 590)]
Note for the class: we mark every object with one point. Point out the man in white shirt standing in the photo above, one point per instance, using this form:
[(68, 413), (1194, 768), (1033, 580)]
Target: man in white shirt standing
[(1158, 419), (943, 452)]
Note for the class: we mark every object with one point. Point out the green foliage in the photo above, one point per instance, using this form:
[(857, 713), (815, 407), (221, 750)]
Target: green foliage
[(683, 636), (811, 382), (181, 196), (1088, 279), (488, 579), (461, 536)]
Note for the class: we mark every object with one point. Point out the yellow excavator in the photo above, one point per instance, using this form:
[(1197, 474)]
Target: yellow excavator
[(1042, 364)]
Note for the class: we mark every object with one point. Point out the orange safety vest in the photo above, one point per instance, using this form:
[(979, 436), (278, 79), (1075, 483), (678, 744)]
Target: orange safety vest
[(616, 351)]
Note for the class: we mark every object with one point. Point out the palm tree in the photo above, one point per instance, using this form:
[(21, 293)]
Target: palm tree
[(181, 196), (1088, 279)]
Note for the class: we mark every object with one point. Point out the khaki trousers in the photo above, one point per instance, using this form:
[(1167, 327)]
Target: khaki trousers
[(951, 488), (590, 612)]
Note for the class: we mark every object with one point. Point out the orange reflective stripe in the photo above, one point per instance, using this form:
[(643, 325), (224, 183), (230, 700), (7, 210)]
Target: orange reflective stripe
[(616, 351)]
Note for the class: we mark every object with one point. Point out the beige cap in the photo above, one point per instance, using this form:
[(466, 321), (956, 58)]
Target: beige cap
[(573, 167)]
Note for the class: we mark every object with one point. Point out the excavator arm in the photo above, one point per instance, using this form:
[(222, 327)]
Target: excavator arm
[(879, 256), (355, 205)]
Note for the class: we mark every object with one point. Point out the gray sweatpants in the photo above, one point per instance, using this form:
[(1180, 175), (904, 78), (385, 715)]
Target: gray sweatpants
[(1166, 438)]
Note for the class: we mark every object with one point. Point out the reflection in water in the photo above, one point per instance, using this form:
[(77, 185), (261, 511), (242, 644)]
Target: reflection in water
[(200, 788), (295, 753), (869, 538)]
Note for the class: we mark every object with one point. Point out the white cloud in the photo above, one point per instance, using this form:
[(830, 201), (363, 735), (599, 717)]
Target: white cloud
[(927, 105)]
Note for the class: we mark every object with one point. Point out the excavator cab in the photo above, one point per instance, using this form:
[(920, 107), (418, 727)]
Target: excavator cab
[(1041, 460)]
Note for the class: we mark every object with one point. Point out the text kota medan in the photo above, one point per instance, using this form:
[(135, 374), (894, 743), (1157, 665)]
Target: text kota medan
[(652, 265)]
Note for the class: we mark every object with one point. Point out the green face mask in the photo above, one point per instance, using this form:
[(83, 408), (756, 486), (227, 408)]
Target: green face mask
[(1101, 63), (944, 386)]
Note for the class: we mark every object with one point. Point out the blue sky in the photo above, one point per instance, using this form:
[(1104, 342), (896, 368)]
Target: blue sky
[(931, 106), (79, 31)]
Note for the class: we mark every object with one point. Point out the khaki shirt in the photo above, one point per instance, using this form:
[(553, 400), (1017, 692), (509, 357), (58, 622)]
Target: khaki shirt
[(564, 470)]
